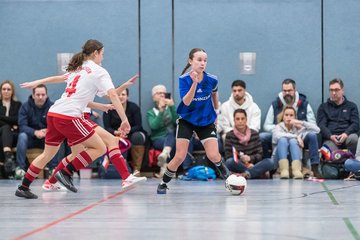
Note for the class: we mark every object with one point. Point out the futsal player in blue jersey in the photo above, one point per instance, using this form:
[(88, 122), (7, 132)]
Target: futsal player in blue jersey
[(197, 111)]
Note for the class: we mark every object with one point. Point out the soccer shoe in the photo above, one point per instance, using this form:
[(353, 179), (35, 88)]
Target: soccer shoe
[(50, 187), (65, 180), (223, 170), (161, 189), (132, 180), (25, 194)]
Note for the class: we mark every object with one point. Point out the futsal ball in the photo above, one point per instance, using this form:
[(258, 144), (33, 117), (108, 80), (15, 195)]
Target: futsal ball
[(235, 184)]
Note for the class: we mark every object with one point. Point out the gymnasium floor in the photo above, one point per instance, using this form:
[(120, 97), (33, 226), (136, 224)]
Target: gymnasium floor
[(268, 209)]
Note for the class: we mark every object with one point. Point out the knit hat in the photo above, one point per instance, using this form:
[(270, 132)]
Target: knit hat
[(158, 88)]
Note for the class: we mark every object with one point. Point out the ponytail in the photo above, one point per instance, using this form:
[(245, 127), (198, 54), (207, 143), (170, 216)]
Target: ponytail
[(75, 62), (89, 47), (186, 68)]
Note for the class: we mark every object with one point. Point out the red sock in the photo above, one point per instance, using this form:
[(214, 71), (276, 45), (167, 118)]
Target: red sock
[(120, 163), (30, 176), (82, 160), (62, 164)]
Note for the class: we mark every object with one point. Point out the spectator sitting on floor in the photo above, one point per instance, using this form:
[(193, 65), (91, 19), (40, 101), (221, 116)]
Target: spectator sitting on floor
[(243, 150), (304, 112), (338, 119), (288, 139)]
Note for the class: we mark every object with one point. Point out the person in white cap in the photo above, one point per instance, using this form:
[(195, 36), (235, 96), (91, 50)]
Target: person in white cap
[(162, 121)]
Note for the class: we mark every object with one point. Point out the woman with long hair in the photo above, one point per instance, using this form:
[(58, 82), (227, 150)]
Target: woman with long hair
[(9, 111)]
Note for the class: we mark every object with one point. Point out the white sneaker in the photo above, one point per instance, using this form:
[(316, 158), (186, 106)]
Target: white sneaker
[(56, 187), (162, 158), (132, 180)]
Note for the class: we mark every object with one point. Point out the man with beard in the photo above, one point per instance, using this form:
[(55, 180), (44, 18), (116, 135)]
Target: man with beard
[(290, 97), (239, 98)]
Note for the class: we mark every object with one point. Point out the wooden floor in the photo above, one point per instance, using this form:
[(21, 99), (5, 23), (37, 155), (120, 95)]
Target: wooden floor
[(268, 209)]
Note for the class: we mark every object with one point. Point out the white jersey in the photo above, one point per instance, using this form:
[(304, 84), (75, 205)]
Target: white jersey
[(82, 86)]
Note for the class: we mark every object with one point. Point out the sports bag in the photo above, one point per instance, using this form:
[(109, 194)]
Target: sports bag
[(332, 162), (203, 173), (336, 156)]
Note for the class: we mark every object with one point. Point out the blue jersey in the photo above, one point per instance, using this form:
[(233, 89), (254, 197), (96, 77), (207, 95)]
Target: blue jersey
[(201, 110)]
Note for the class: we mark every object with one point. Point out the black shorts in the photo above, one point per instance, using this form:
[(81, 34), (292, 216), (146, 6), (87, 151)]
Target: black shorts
[(185, 130)]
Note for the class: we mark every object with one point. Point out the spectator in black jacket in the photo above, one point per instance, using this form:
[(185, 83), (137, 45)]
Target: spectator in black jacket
[(9, 109), (338, 119), (137, 134), (32, 125)]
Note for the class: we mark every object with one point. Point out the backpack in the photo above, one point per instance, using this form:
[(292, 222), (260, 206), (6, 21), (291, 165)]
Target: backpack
[(334, 156), (203, 173), (332, 162)]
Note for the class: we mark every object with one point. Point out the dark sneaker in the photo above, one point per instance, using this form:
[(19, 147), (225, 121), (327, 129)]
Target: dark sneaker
[(161, 189), (65, 180), (25, 194), (223, 171)]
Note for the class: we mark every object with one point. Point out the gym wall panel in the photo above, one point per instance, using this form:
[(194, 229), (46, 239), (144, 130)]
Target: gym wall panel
[(341, 46), (156, 50), (286, 35), (33, 32)]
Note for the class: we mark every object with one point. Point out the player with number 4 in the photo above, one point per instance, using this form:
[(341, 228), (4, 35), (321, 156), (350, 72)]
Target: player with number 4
[(85, 79)]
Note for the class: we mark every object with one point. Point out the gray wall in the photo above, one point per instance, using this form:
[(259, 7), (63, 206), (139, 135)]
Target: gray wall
[(153, 37)]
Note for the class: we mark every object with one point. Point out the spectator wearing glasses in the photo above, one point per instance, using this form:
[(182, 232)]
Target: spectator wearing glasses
[(162, 121), (338, 119)]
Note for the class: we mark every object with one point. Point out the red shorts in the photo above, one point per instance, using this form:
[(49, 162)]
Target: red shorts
[(60, 127), (86, 118)]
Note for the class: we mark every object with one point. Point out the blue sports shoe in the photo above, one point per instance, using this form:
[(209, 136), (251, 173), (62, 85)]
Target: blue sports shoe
[(161, 189)]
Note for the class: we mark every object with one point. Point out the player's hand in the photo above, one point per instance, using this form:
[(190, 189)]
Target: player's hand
[(131, 81), (124, 127), (29, 85), (194, 76), (107, 107)]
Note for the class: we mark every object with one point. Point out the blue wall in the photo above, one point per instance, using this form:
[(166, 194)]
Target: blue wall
[(341, 45), (137, 34)]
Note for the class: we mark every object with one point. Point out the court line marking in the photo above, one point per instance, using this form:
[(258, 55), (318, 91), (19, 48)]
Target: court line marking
[(71, 215), (347, 221), (329, 193), (351, 228)]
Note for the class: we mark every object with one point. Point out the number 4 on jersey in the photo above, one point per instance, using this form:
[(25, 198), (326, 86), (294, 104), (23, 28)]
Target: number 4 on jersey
[(72, 87)]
